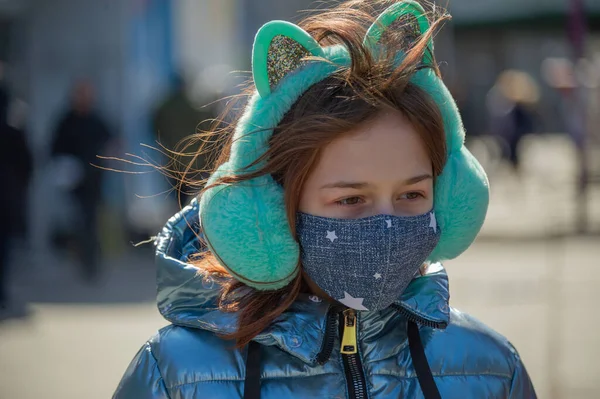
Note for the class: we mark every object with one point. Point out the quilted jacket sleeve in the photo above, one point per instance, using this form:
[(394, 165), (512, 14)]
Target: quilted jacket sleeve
[(521, 387), (142, 379)]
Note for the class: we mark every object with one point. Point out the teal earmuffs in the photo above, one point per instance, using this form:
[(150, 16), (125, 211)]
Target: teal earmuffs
[(245, 224)]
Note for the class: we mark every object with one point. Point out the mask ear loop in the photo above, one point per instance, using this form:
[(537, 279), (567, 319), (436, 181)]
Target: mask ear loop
[(262, 42), (390, 15)]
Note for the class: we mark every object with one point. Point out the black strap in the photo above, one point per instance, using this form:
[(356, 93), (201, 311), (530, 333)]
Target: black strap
[(417, 352), (252, 382)]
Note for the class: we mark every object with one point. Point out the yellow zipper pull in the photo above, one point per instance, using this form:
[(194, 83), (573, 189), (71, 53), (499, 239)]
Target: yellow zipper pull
[(349, 334)]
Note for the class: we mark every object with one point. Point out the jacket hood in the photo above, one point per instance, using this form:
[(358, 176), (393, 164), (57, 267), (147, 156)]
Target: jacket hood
[(188, 297)]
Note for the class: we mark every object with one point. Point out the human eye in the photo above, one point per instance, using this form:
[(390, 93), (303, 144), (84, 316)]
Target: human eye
[(350, 201), (412, 196)]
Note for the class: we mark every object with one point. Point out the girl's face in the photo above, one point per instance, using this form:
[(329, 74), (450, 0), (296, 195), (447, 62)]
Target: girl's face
[(381, 168)]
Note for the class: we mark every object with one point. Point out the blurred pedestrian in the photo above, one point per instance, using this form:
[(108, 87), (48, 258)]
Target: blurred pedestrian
[(175, 119), (320, 277), (4, 98), (560, 75), (511, 103), (16, 167), (81, 135)]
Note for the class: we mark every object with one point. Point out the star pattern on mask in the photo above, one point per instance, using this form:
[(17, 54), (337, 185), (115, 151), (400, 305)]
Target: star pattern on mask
[(389, 223), (331, 236), (351, 302), (433, 222), (377, 276)]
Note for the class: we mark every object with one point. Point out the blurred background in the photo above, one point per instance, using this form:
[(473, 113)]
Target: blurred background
[(80, 78)]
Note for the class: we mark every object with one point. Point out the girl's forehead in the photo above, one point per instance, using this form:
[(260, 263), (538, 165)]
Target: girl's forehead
[(387, 148)]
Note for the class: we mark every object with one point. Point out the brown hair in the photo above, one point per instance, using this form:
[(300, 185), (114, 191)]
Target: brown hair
[(327, 110)]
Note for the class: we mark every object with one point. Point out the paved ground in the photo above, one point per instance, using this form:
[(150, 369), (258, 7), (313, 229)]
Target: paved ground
[(541, 295), (522, 277)]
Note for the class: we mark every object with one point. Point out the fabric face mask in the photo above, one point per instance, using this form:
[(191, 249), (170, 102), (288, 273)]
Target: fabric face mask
[(366, 263)]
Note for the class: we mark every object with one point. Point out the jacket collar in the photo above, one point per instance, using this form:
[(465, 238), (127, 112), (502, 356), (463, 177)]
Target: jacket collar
[(188, 297)]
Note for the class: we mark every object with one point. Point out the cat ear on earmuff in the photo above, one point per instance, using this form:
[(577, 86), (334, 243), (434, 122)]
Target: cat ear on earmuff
[(462, 190), (245, 224), (279, 48), (407, 18)]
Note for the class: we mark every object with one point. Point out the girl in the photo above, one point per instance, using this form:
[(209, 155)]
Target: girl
[(309, 266)]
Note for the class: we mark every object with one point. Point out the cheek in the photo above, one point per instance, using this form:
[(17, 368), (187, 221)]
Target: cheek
[(428, 204), (309, 199), (315, 202), (418, 207)]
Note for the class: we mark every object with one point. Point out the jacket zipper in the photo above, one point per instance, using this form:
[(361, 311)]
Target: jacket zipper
[(332, 318), (348, 328), (355, 377), (329, 337), (410, 316)]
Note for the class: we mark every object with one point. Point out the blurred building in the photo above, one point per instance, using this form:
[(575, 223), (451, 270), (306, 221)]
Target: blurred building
[(130, 48), (125, 48), (492, 36)]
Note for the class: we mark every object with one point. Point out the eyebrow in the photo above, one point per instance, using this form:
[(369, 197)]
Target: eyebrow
[(417, 179), (359, 185)]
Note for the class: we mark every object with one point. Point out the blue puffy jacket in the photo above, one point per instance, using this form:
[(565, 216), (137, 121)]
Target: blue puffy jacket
[(300, 353)]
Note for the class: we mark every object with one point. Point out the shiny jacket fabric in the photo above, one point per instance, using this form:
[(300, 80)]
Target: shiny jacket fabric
[(301, 349)]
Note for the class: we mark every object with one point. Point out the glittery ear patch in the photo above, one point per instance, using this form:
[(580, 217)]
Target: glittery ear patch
[(284, 56), (404, 31), (400, 26)]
